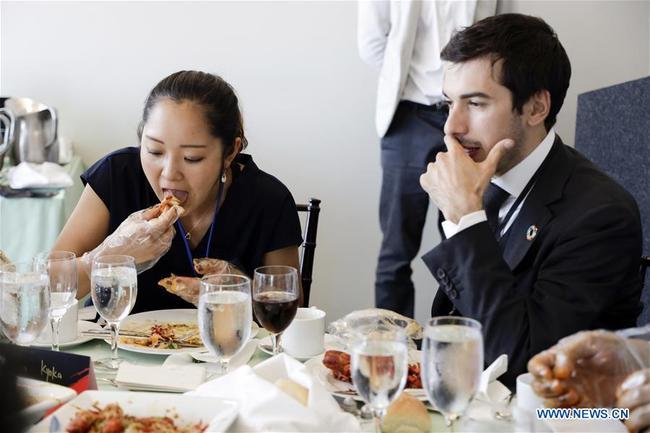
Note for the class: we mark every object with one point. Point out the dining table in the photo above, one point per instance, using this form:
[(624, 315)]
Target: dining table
[(481, 416)]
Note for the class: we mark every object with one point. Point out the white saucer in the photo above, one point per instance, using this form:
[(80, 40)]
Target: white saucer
[(81, 327), (331, 342), (241, 358)]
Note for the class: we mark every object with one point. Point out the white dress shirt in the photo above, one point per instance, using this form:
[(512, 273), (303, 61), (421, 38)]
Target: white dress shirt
[(404, 38), (513, 182), (424, 80)]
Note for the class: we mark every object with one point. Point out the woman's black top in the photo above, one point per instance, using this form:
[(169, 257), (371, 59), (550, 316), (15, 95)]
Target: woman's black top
[(257, 216)]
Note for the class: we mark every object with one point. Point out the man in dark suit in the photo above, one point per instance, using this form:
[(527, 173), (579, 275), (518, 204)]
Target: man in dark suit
[(538, 242)]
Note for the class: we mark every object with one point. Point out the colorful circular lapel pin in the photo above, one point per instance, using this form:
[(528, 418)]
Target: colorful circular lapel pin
[(531, 233)]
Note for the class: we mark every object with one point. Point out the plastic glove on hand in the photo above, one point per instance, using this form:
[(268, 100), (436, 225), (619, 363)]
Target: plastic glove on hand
[(208, 266), (188, 288), (584, 369), (146, 235), (634, 394)]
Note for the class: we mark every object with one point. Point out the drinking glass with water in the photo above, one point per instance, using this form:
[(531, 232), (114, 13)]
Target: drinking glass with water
[(452, 363), (24, 302), (379, 364), (225, 315), (114, 289), (61, 269)]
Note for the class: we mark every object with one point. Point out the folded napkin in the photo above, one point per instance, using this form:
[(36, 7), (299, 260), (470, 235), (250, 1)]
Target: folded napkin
[(490, 389), (45, 175), (266, 408), (162, 378), (492, 395), (87, 313)]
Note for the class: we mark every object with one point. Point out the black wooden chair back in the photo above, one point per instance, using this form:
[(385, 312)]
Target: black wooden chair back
[(308, 246), (645, 262)]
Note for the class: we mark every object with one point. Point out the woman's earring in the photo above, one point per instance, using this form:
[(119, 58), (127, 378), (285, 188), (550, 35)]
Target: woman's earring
[(224, 178)]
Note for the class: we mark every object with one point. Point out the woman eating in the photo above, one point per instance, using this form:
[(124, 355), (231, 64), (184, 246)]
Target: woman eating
[(223, 207)]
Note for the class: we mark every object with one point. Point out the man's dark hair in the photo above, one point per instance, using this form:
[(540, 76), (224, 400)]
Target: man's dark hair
[(532, 55)]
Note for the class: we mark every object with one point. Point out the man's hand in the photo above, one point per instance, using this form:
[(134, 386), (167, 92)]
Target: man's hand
[(456, 183), (585, 369)]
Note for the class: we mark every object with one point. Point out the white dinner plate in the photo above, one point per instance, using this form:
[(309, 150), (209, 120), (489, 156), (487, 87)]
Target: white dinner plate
[(41, 397), (330, 342), (185, 410), (81, 327), (146, 319), (343, 389)]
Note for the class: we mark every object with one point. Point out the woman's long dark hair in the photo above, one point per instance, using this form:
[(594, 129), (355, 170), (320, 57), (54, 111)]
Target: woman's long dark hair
[(211, 92)]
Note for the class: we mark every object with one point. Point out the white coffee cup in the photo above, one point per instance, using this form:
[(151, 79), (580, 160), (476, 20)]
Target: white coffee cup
[(306, 334), (526, 397), (67, 328)]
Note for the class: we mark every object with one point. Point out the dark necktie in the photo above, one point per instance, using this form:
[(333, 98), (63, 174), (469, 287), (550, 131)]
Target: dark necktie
[(492, 200)]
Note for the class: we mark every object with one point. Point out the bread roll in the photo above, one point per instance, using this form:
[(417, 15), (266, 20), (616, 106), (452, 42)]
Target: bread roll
[(406, 414), (295, 390)]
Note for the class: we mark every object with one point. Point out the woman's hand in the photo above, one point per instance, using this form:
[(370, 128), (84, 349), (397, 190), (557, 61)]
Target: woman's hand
[(189, 288), (585, 369), (146, 235), (208, 266)]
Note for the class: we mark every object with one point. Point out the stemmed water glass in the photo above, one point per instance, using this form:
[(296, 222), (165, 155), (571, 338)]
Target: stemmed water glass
[(452, 362), (379, 365), (113, 288), (24, 302), (61, 268), (225, 315), (275, 299)]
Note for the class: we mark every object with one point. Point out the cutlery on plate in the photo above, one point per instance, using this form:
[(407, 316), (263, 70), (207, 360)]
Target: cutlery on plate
[(100, 333), (107, 332)]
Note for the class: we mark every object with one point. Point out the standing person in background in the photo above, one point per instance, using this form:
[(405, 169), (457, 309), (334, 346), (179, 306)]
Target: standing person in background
[(402, 40)]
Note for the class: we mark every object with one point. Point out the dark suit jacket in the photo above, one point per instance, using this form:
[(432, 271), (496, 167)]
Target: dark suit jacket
[(579, 272)]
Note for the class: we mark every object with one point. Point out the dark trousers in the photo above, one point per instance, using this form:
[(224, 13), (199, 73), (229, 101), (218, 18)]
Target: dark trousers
[(414, 138)]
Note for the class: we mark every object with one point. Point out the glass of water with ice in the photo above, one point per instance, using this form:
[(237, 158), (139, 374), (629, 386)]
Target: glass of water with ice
[(225, 315), (452, 363), (24, 302), (114, 289), (61, 268), (379, 364)]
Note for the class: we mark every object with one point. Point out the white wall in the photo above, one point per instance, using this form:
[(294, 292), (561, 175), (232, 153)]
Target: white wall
[(308, 100), (608, 42)]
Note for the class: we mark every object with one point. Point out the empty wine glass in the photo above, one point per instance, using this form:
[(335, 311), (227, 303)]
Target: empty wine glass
[(24, 302), (225, 315), (452, 362), (61, 268), (379, 364), (113, 288), (275, 299)]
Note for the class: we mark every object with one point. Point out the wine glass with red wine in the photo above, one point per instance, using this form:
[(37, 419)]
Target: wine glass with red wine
[(275, 299)]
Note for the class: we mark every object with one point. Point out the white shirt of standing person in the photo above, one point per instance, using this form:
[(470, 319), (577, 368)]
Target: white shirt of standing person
[(403, 40), (513, 182)]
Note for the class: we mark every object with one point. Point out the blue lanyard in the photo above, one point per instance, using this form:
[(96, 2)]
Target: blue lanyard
[(188, 251)]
